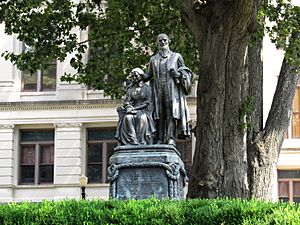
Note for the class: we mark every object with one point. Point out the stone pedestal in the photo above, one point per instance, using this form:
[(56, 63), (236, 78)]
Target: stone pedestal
[(140, 172)]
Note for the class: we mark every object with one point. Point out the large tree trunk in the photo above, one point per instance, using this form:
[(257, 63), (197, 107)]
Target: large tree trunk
[(234, 155), (222, 30)]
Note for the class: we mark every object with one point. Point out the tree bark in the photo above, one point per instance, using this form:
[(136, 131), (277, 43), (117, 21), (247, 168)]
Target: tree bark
[(264, 148), (222, 31), (234, 155)]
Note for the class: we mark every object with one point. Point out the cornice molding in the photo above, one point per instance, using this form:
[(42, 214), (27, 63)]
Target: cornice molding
[(67, 125), (9, 83), (67, 104), (59, 105), (7, 126)]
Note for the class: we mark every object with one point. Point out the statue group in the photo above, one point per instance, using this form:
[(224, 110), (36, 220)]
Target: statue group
[(156, 113)]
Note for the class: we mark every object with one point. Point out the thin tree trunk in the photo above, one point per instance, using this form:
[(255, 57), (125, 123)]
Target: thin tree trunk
[(264, 149)]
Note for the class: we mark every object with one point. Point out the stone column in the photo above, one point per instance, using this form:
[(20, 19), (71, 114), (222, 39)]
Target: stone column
[(8, 81), (6, 162), (68, 152)]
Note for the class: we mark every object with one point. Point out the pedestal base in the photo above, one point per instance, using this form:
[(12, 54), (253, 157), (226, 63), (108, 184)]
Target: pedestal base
[(140, 172)]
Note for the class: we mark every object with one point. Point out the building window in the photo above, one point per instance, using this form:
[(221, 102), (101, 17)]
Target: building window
[(41, 80), (185, 149), (296, 113), (36, 156), (289, 185), (100, 147), (294, 129)]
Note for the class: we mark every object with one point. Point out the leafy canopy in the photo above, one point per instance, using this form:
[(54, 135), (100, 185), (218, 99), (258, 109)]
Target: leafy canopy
[(121, 35), (284, 29)]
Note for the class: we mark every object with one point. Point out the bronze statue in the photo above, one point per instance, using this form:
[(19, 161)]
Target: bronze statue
[(136, 126), (171, 81)]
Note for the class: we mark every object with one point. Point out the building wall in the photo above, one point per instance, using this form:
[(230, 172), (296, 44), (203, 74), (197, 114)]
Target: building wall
[(69, 110), (70, 121), (289, 158)]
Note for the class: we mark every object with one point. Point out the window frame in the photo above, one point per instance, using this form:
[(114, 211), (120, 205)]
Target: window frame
[(105, 159), (39, 81), (39, 78), (290, 177), (37, 160), (188, 161), (290, 133), (291, 182)]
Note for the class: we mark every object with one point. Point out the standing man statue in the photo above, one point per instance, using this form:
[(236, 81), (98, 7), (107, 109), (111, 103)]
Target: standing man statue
[(171, 81)]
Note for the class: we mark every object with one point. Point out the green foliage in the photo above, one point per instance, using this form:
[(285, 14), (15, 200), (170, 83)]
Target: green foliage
[(44, 26), (283, 28), (246, 111), (122, 36), (152, 211)]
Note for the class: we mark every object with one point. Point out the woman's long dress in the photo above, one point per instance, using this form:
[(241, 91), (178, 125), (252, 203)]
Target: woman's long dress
[(137, 127)]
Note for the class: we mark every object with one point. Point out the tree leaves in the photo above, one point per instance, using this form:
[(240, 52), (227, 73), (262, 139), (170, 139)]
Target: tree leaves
[(283, 28), (45, 26), (122, 36)]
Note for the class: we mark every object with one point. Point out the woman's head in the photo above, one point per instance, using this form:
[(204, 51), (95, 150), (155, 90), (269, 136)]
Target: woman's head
[(136, 74)]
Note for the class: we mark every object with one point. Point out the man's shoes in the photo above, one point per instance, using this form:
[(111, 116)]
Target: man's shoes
[(159, 142), (135, 143), (172, 142)]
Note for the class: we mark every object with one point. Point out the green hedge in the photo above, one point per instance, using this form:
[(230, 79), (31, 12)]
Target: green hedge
[(152, 211)]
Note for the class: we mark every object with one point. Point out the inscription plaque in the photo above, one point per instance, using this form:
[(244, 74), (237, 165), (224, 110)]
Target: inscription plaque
[(153, 182)]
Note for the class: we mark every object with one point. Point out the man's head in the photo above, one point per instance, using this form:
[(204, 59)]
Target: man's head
[(163, 42)]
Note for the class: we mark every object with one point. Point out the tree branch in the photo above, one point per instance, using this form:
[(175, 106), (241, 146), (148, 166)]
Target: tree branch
[(281, 109)]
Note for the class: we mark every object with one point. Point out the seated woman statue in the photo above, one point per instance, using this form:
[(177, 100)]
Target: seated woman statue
[(136, 126)]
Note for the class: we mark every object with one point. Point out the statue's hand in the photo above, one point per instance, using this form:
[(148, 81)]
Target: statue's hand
[(176, 76), (175, 73), (130, 109)]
